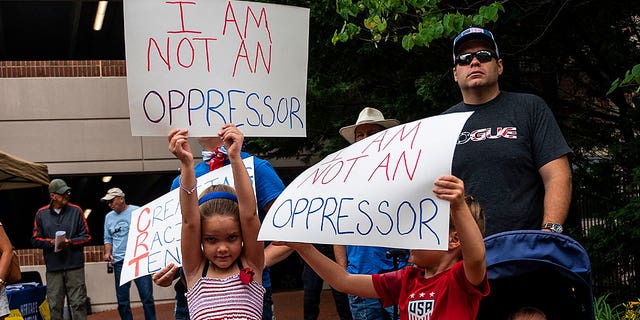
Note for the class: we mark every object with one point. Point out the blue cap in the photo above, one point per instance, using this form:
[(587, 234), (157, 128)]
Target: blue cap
[(471, 34)]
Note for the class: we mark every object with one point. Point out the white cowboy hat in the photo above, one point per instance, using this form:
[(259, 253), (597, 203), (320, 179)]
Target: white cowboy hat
[(367, 116)]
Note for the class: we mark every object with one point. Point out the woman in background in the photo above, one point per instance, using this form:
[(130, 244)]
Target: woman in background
[(5, 263)]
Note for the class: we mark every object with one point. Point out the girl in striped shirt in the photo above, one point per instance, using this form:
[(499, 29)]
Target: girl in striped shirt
[(221, 256)]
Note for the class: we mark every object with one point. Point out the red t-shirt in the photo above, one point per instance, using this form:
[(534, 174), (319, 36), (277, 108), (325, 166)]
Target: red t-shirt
[(446, 296)]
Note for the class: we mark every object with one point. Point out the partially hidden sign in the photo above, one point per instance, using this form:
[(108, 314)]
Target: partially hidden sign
[(200, 64), (376, 192), (155, 228)]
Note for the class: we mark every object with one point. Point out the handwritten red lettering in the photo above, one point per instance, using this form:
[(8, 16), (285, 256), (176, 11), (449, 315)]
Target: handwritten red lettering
[(140, 239), (206, 50), (402, 135), (252, 55), (328, 171), (165, 57), (260, 53), (136, 261), (180, 4), (377, 141), (403, 156), (353, 165), (385, 165), (242, 54), (186, 43), (230, 16), (315, 175), (259, 50), (263, 14), (326, 178), (191, 53), (399, 136)]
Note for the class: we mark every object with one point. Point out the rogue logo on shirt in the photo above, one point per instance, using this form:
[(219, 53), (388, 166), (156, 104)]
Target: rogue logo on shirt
[(420, 309), (488, 134)]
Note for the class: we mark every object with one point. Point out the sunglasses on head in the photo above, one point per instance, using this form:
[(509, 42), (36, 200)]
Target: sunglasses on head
[(482, 56)]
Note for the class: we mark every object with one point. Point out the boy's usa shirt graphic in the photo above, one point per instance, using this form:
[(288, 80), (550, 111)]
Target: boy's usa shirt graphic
[(420, 309)]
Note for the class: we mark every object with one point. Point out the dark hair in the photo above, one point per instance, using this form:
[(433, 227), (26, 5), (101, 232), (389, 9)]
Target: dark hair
[(220, 206)]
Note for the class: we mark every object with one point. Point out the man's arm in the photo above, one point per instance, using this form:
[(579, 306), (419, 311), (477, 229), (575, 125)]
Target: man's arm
[(340, 253), (81, 235), (556, 176), (274, 254), (108, 240), (38, 240), (165, 276), (108, 256)]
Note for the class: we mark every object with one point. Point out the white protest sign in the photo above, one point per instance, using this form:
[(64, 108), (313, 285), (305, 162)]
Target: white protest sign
[(376, 192), (155, 228), (199, 64)]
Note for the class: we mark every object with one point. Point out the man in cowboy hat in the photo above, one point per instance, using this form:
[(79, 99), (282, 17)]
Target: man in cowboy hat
[(361, 259), (370, 121)]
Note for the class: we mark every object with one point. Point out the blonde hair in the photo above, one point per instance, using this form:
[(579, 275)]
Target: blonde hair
[(219, 206), (476, 211)]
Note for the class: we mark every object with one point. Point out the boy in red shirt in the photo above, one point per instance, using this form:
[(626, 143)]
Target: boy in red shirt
[(441, 285)]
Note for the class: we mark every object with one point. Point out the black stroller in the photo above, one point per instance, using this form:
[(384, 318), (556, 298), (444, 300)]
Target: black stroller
[(545, 270)]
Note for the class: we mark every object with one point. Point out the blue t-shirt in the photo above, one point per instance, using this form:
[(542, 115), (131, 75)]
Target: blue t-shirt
[(116, 231), (371, 260), (268, 187)]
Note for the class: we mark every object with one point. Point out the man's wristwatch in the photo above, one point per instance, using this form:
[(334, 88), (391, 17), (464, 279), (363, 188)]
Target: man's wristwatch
[(554, 227)]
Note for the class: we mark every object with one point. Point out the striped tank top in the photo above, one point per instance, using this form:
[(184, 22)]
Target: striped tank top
[(225, 299)]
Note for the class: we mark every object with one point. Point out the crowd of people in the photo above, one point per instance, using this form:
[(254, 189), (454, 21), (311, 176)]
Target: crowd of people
[(510, 171)]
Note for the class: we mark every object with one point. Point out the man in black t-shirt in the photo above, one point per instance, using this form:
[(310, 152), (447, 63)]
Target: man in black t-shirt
[(511, 153)]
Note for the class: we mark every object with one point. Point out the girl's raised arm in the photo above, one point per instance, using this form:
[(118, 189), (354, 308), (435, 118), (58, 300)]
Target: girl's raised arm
[(249, 221), (190, 245)]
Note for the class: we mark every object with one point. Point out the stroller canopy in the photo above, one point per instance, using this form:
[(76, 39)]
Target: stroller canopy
[(545, 270)]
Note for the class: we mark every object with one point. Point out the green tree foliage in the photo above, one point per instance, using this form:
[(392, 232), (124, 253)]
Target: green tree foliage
[(411, 22), (613, 243), (631, 78)]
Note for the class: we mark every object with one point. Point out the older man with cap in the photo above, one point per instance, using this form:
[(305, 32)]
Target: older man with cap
[(64, 262), (511, 154), (361, 259), (116, 234)]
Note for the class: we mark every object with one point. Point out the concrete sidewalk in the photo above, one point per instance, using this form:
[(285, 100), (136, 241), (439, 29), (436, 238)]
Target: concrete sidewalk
[(287, 305)]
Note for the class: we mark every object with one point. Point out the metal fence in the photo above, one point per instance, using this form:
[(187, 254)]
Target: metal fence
[(617, 278)]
